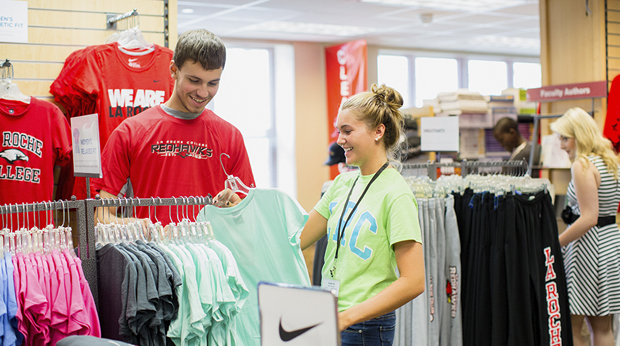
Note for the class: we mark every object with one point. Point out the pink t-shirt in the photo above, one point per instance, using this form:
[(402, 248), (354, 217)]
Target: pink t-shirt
[(78, 320), (89, 302), (60, 307), (34, 303), (60, 310)]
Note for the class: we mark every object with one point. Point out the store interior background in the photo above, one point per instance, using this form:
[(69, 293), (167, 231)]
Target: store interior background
[(282, 110)]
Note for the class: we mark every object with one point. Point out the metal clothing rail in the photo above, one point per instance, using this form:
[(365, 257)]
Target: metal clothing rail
[(85, 215), (90, 206), (112, 20), (466, 167), (88, 261)]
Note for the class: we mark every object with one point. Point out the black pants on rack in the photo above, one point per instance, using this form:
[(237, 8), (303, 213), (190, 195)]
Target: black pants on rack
[(547, 281), (514, 286)]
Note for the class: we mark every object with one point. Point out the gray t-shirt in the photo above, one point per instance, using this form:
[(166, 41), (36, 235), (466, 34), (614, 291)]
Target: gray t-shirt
[(178, 114), (113, 288)]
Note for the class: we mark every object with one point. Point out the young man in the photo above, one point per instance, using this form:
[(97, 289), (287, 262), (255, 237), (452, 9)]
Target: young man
[(506, 132), (175, 149)]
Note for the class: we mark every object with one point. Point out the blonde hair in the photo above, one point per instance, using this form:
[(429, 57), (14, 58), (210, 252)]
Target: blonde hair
[(578, 124), (379, 106)]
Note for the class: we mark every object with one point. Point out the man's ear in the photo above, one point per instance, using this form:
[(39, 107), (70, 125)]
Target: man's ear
[(513, 132), (174, 70)]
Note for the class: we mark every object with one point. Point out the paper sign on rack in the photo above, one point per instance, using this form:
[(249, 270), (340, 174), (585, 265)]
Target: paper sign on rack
[(86, 147), (14, 21), (292, 315), (439, 133)]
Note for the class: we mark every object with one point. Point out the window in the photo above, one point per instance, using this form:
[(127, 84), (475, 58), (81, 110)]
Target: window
[(434, 75), (253, 105), (487, 77), (526, 75), (393, 71), (247, 104), (422, 77)]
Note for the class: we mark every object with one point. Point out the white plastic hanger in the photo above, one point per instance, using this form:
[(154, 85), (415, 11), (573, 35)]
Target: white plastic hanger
[(232, 182), (132, 37), (9, 90)]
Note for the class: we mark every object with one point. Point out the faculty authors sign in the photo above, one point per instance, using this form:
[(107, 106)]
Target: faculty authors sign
[(14, 21), (560, 92), (86, 147)]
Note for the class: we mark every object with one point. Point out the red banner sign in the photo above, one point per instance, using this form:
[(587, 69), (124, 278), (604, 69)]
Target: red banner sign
[(568, 91), (346, 67)]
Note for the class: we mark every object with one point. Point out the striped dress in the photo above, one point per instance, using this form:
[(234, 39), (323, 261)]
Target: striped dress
[(592, 262)]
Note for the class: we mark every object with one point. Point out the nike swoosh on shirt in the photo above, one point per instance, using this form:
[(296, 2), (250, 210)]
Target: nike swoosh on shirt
[(288, 336), (156, 80)]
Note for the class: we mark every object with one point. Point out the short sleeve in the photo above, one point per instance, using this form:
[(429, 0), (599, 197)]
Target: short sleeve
[(294, 215), (402, 222), (322, 206), (61, 137)]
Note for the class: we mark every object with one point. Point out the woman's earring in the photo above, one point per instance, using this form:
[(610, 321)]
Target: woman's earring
[(377, 139)]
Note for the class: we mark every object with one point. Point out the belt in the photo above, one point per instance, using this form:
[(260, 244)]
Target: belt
[(602, 220)]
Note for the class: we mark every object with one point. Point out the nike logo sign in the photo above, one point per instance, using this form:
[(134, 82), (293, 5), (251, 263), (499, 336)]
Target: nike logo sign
[(288, 336), (156, 80)]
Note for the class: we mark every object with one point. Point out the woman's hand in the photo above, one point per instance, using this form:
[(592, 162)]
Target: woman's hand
[(226, 198)]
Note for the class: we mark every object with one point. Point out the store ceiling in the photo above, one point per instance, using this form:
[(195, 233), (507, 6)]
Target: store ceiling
[(479, 26)]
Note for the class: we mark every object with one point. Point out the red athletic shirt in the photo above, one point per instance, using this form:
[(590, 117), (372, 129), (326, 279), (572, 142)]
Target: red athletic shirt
[(612, 120), (115, 85), (169, 157), (35, 137)]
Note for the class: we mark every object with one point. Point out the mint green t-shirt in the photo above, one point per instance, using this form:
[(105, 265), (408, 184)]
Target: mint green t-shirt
[(262, 232), (388, 214)]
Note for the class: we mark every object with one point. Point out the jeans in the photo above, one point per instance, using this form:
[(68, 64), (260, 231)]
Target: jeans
[(378, 331)]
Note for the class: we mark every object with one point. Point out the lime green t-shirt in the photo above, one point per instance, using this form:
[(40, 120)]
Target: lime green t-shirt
[(387, 214)]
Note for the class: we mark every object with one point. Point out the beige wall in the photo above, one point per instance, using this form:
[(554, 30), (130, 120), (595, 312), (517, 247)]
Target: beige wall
[(572, 51), (311, 122), (310, 127)]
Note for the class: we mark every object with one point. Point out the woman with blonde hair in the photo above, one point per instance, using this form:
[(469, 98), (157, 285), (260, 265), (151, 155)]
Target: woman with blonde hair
[(370, 217), (592, 240)]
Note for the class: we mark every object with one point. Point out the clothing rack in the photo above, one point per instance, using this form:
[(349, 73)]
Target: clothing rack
[(85, 215), (465, 167), (133, 18), (90, 205), (112, 19), (7, 69)]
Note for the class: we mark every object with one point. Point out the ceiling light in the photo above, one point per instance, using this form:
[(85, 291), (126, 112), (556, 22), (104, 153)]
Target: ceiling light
[(311, 28), (187, 10), (426, 17), (457, 5)]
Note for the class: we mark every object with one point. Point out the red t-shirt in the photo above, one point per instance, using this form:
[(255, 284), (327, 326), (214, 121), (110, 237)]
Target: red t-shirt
[(612, 120), (169, 157), (35, 138), (115, 85)]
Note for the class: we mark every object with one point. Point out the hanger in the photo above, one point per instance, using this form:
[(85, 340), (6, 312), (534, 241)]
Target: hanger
[(131, 38), (9, 90), (233, 183)]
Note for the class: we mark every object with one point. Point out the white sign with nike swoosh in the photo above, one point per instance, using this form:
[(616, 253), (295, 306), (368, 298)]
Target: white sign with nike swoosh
[(294, 315)]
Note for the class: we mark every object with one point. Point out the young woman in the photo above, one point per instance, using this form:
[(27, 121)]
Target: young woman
[(371, 219), (592, 240)]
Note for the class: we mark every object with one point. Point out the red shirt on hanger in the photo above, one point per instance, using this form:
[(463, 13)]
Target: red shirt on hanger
[(117, 84), (34, 138)]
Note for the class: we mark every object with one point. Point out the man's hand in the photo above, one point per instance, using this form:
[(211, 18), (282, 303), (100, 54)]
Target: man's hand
[(226, 198)]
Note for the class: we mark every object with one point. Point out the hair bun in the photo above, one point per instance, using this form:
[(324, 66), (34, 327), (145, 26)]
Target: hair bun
[(388, 95)]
